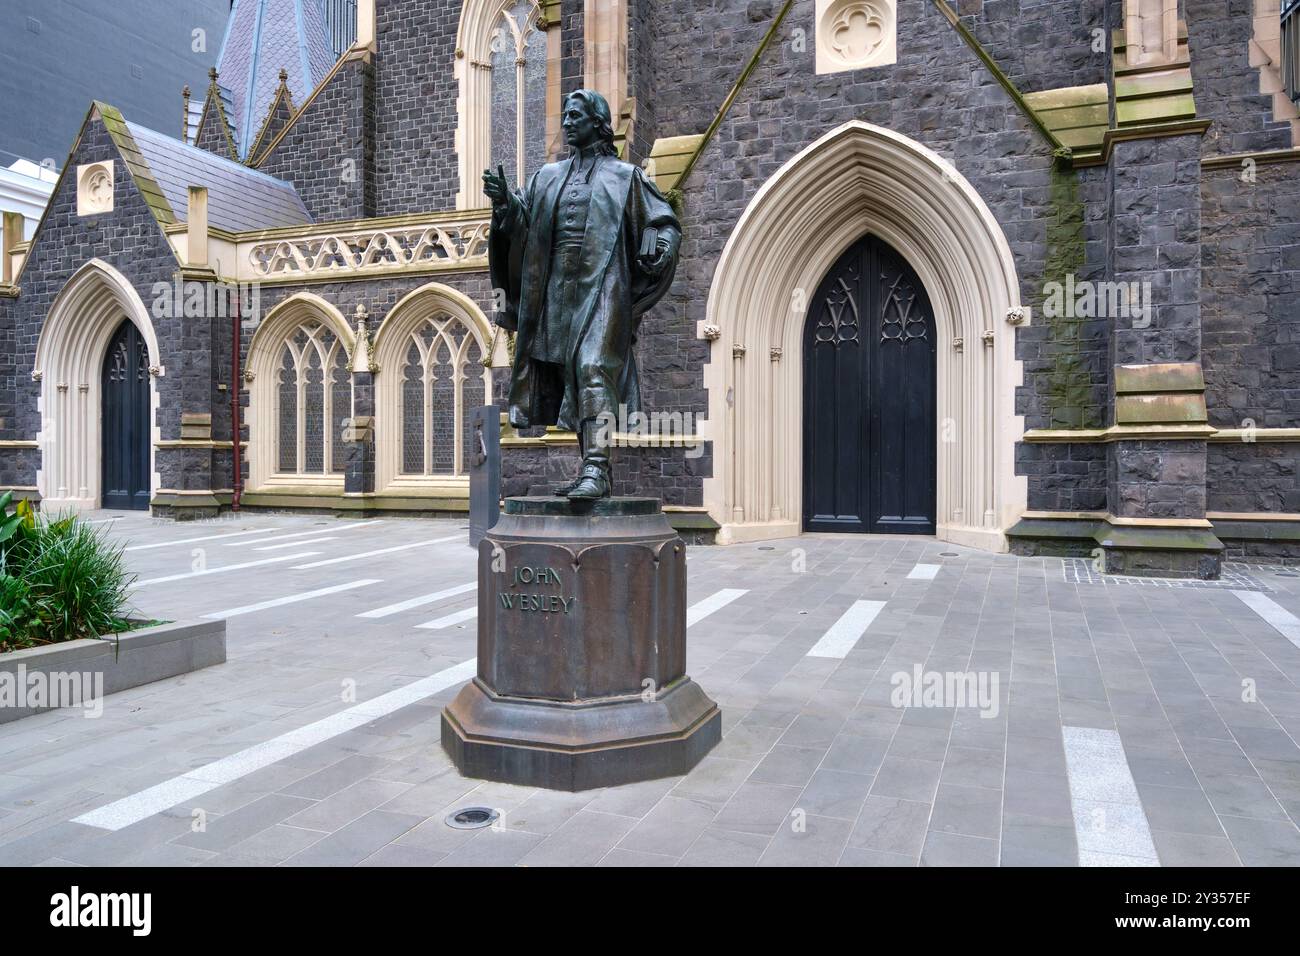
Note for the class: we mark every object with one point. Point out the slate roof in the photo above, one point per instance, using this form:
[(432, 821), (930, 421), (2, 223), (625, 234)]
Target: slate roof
[(192, 117), (228, 106), (239, 199), (262, 38)]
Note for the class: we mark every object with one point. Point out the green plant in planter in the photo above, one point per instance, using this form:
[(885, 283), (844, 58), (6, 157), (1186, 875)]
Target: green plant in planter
[(15, 613), (16, 524), (71, 583)]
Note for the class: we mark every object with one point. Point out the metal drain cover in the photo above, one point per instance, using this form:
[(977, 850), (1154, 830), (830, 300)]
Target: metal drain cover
[(1286, 574), (949, 554), (472, 818), (766, 547)]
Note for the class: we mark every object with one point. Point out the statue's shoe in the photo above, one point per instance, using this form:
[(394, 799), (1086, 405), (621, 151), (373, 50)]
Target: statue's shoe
[(564, 491), (589, 488)]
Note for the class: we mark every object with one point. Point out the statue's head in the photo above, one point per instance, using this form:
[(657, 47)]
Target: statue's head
[(587, 122)]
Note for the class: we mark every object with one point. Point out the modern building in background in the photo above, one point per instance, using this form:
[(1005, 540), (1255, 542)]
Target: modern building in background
[(56, 57), (25, 188), (1021, 274)]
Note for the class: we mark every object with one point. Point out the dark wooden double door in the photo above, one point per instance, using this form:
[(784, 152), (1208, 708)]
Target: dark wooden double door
[(869, 398), (125, 428)]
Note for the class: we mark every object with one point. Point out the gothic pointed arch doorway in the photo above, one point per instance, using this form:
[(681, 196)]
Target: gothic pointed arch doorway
[(125, 426), (96, 311), (856, 179), (869, 456)]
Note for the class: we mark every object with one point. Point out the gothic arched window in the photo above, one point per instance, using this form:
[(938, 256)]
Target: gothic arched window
[(507, 68), (518, 131), (313, 395), (442, 376)]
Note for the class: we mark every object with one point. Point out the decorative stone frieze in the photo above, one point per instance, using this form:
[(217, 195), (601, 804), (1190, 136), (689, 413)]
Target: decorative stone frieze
[(419, 247)]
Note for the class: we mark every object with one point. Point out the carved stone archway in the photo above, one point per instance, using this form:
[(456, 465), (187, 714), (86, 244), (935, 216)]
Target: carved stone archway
[(433, 304), (861, 178), (302, 310), (69, 366)]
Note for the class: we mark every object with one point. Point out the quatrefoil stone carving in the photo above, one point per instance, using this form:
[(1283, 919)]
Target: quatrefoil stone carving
[(855, 34)]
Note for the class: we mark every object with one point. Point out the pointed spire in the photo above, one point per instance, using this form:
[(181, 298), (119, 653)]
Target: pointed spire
[(269, 45), (278, 115), (214, 132)]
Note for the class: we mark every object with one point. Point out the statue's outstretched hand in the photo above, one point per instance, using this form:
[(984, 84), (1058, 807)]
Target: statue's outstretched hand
[(496, 187)]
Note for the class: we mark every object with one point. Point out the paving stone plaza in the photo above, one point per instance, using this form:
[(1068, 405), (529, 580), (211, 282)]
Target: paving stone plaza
[(1105, 722)]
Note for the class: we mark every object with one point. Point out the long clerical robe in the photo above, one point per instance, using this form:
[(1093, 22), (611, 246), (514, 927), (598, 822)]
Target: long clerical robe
[(605, 290)]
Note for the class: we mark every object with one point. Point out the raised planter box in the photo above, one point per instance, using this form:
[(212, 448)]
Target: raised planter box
[(78, 671)]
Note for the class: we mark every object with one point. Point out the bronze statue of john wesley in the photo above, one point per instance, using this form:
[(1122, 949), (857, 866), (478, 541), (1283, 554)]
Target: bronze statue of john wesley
[(578, 257)]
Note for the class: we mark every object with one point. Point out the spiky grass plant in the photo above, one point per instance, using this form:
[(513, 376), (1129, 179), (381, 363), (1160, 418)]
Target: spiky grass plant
[(71, 583)]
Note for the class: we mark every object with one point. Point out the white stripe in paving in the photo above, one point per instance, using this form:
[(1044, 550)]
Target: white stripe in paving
[(289, 599), (420, 601), (342, 526), (101, 521), (845, 633), (139, 806), (714, 602), (1109, 823), (211, 537), (924, 572), (229, 567), (371, 554), (451, 620), (1286, 623), (293, 544)]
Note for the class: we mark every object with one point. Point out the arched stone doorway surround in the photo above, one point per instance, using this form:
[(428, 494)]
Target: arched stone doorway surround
[(859, 179), (69, 366), (392, 341)]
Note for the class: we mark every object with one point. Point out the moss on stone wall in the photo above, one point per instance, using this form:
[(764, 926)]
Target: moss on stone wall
[(1068, 393)]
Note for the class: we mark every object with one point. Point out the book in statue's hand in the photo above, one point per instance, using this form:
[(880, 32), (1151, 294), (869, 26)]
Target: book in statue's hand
[(649, 243)]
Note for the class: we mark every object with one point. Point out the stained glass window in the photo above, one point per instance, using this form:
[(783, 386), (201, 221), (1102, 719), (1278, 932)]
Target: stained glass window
[(442, 377), (413, 412), (314, 396), (518, 131), (288, 418), (314, 416), (1291, 48)]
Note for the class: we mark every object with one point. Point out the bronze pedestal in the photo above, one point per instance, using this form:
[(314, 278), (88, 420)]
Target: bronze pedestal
[(581, 651)]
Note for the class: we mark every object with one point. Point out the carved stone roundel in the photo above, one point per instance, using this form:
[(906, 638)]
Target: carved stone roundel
[(856, 31), (95, 189)]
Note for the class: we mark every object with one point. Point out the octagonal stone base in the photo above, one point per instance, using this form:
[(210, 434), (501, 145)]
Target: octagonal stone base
[(599, 743), (581, 651)]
